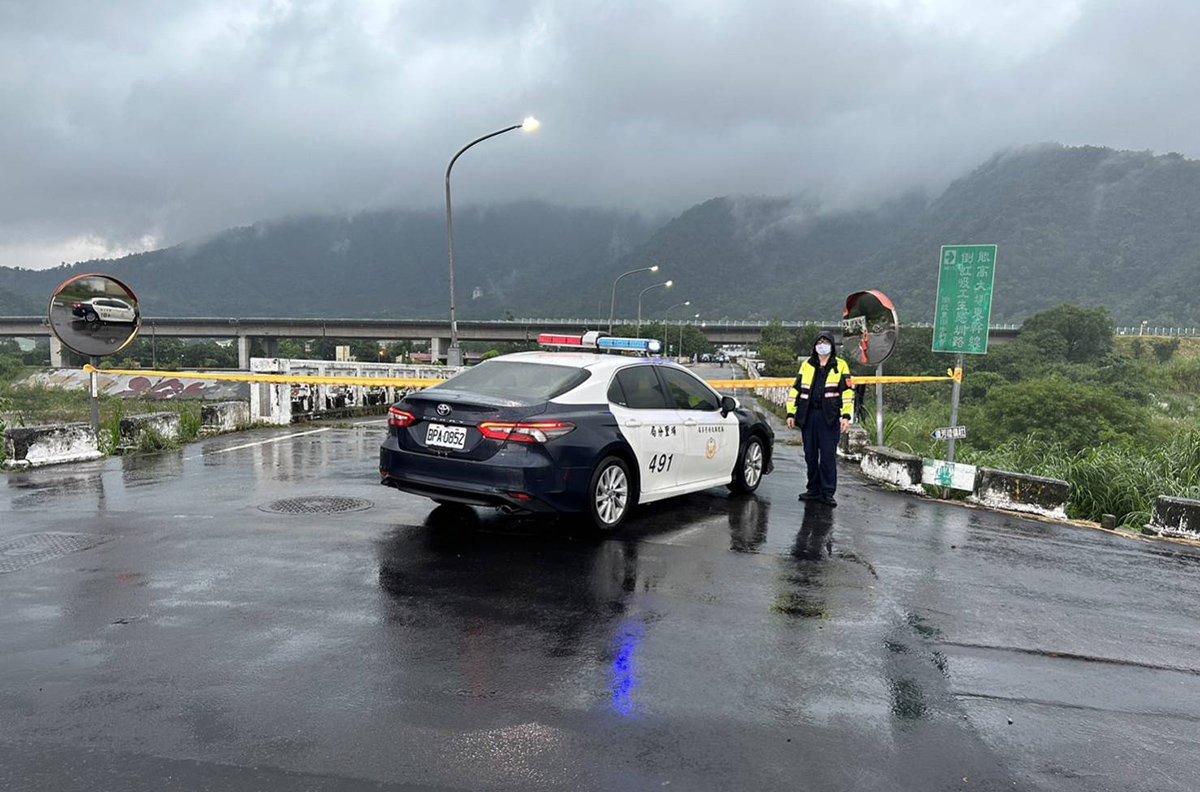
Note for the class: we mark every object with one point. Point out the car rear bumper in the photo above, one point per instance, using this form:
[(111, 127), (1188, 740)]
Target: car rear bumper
[(514, 478)]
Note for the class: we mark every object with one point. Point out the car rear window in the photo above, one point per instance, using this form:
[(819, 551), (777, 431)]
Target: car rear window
[(526, 382)]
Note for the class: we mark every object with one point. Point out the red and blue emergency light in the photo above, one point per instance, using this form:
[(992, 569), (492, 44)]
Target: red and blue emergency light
[(598, 340)]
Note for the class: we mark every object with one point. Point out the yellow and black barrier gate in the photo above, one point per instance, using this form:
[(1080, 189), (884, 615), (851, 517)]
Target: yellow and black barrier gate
[(954, 375)]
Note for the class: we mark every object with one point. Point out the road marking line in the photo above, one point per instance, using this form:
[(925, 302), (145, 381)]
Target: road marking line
[(272, 440)]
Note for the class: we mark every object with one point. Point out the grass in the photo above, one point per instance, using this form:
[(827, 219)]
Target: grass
[(1188, 349), (1119, 480), (39, 406)]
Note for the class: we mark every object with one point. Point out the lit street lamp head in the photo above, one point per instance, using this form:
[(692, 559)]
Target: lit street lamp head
[(530, 124), (654, 268), (669, 284)]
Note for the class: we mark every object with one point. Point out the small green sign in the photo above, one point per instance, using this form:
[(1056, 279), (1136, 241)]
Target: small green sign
[(939, 473), (966, 275)]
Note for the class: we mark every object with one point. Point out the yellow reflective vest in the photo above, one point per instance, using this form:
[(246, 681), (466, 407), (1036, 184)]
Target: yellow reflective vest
[(838, 381)]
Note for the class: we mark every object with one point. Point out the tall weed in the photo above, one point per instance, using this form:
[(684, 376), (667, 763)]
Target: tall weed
[(1112, 479)]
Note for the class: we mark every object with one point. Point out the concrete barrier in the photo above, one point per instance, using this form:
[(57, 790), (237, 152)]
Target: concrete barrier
[(137, 428), (228, 416), (1176, 517), (998, 489), (854, 443), (889, 466), (35, 446)]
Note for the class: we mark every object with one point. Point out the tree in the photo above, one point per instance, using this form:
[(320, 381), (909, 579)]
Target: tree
[(1057, 410), (780, 361), (1086, 332), (799, 340)]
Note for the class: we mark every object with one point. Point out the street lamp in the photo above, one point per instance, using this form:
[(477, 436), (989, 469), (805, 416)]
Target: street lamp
[(613, 303), (697, 316), (667, 313), (454, 354), (664, 285)]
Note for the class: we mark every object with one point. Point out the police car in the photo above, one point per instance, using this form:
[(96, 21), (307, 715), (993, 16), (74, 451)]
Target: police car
[(573, 431)]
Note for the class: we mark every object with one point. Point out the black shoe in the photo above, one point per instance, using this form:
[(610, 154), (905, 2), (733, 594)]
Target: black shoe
[(807, 496), (828, 500)]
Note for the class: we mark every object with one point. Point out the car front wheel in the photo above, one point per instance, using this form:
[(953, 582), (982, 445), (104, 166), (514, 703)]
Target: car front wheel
[(610, 496), (748, 473)]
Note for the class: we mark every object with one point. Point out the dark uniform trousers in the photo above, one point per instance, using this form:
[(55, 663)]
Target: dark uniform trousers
[(820, 451)]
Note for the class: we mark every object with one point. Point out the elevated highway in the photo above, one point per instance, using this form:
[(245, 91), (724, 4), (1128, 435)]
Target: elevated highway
[(435, 331)]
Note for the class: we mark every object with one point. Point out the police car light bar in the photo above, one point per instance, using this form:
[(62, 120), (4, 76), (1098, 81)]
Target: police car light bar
[(597, 340), (631, 344)]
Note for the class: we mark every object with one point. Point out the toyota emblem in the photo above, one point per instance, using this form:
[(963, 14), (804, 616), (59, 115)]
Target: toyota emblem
[(443, 409)]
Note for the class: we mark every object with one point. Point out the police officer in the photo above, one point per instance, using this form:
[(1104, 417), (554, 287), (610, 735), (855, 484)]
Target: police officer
[(821, 403)]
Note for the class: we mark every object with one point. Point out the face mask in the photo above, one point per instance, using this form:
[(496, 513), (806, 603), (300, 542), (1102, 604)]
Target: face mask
[(824, 349)]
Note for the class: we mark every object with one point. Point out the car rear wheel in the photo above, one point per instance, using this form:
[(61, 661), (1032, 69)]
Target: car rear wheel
[(610, 496), (91, 316), (748, 473)]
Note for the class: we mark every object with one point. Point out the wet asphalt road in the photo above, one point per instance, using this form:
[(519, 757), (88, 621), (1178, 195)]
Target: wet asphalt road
[(722, 643)]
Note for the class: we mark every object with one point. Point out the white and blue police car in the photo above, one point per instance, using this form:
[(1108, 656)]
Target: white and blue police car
[(573, 432)]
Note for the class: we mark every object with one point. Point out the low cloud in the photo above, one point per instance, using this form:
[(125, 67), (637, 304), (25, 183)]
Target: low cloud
[(144, 122)]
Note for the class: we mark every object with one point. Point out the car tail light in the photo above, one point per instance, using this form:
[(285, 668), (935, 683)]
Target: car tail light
[(399, 418), (538, 432)]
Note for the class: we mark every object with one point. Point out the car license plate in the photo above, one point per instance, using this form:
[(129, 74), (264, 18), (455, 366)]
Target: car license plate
[(454, 437)]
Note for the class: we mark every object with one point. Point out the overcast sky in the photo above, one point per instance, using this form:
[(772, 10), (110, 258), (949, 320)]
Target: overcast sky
[(132, 125)]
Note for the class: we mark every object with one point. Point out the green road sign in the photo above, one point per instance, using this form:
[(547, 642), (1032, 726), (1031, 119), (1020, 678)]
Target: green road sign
[(966, 275)]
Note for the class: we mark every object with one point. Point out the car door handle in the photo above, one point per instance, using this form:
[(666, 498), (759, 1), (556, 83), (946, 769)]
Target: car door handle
[(633, 423), (689, 422)]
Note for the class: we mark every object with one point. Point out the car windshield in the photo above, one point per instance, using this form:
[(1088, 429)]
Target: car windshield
[(526, 382)]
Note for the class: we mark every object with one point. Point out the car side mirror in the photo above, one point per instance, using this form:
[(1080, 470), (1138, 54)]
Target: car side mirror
[(728, 405)]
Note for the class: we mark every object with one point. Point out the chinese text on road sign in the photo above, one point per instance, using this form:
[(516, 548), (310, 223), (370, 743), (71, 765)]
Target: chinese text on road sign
[(949, 433), (966, 274)]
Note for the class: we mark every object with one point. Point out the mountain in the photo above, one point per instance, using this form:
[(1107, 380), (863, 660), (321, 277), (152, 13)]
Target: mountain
[(375, 264), (16, 304), (1087, 225)]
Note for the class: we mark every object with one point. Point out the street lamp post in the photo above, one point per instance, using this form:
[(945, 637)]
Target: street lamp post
[(697, 316), (612, 306), (664, 285), (454, 354), (666, 314)]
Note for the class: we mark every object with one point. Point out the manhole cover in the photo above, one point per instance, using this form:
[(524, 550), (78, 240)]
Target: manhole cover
[(317, 504), (25, 551)]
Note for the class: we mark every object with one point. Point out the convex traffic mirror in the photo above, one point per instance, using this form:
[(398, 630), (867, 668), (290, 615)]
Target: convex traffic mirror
[(869, 327), (94, 315)]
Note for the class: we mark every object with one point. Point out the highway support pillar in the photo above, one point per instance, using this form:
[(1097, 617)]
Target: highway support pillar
[(56, 352), (243, 346)]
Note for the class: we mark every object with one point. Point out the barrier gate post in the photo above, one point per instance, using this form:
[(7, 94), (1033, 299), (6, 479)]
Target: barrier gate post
[(879, 407), (94, 390), (954, 397)]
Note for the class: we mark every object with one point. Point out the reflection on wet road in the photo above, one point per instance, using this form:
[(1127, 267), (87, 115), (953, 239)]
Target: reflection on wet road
[(721, 642)]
